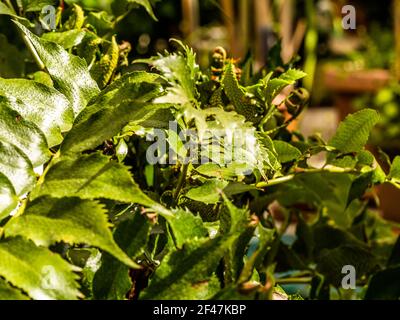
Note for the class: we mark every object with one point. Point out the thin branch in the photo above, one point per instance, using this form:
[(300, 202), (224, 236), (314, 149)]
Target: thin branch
[(181, 181), (293, 280), (287, 178)]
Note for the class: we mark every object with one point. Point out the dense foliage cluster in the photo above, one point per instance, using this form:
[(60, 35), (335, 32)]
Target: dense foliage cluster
[(83, 214)]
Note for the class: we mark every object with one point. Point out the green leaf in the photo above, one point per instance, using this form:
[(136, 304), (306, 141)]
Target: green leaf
[(209, 192), (40, 104), (353, 132), (36, 5), (327, 191), (69, 73), (335, 248), (235, 224), (331, 261), (360, 185), (394, 259), (4, 9), (286, 152), (184, 225), (112, 110), (187, 273), (101, 21), (265, 237), (177, 145), (365, 158), (103, 70), (66, 39), (112, 281), (276, 85), (89, 260), (238, 218), (364, 181), (15, 165), (394, 174), (145, 4), (43, 78), (23, 134), (42, 274), (8, 198), (7, 292), (384, 285), (12, 62), (47, 221), (269, 153), (235, 188), (91, 177), (214, 170)]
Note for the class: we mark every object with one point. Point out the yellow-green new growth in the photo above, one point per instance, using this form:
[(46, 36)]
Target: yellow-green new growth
[(76, 20)]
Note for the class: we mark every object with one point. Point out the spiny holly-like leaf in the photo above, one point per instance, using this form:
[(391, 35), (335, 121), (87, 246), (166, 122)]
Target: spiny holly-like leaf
[(276, 85), (91, 177), (43, 275), (7, 292), (23, 134), (112, 280), (187, 273), (180, 69), (8, 198), (15, 165), (240, 149), (353, 132), (47, 221), (40, 104), (237, 94), (126, 100), (69, 73)]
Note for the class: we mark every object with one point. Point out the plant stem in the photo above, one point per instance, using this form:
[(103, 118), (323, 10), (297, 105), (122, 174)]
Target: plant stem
[(181, 181), (274, 182), (293, 280), (280, 180), (39, 62)]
